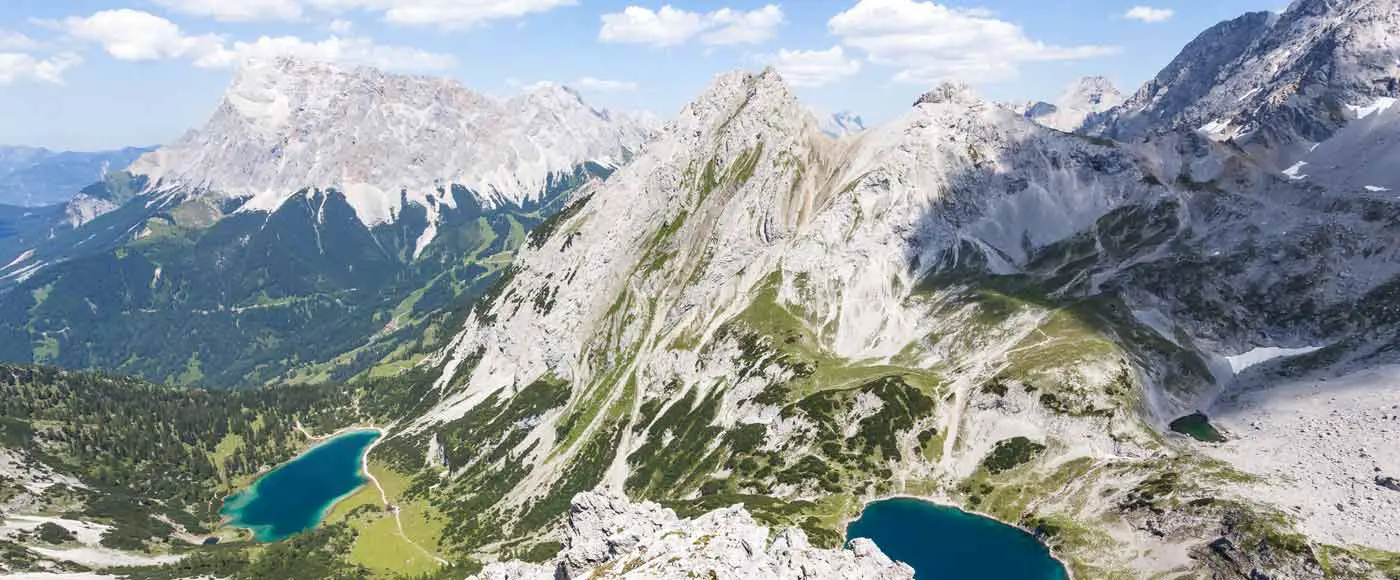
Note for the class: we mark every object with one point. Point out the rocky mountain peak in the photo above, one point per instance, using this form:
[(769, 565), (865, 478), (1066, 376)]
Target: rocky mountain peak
[(951, 93), (285, 125), (1080, 101), (1276, 84), (1093, 90)]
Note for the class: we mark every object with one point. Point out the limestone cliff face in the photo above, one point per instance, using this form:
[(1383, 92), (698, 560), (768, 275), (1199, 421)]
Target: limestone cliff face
[(288, 124)]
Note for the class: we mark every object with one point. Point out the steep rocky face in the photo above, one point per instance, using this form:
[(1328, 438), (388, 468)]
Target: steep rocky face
[(962, 304), (609, 537), (1079, 102), (286, 124), (1164, 101), (1274, 84), (754, 312)]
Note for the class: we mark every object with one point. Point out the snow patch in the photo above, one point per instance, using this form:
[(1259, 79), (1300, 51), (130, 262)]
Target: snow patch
[(104, 557), (1240, 362), (20, 260), (1294, 172), (1376, 188), (1215, 127), (85, 532), (1380, 105)]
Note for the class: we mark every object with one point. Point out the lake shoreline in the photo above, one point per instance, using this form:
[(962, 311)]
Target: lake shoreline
[(946, 503), (251, 533)]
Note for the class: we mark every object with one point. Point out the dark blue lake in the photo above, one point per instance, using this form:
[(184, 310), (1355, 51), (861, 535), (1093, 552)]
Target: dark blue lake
[(944, 543), (295, 496)]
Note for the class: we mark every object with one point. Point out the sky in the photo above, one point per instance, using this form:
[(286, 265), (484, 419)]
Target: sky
[(100, 74)]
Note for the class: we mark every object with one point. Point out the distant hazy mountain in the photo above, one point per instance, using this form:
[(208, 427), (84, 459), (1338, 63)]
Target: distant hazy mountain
[(1081, 100), (840, 124), (33, 176)]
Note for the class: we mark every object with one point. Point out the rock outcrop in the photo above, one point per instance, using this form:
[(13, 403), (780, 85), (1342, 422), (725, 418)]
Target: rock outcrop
[(610, 537)]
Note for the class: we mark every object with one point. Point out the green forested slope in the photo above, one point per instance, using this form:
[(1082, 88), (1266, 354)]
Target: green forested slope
[(178, 292)]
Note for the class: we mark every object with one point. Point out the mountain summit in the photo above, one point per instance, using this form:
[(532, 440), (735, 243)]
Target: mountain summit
[(287, 124), (1081, 100)]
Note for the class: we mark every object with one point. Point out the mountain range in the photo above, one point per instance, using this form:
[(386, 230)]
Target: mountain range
[(33, 176), (317, 223), (1161, 334)]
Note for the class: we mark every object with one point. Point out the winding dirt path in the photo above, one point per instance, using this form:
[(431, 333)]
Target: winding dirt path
[(393, 508), (383, 495)]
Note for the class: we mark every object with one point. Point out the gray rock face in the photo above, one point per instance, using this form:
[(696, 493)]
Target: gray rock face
[(1163, 101), (610, 537), (289, 124), (1274, 84)]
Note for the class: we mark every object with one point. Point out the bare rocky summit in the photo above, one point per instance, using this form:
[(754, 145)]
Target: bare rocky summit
[(285, 125)]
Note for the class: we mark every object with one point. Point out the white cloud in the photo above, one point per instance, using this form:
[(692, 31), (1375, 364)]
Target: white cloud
[(443, 13), (929, 42), (813, 68), (16, 66), (348, 51), (341, 26), (440, 13), (604, 85), (1149, 14), (16, 41), (637, 25), (139, 36), (670, 26), (738, 27), (236, 10), (134, 35)]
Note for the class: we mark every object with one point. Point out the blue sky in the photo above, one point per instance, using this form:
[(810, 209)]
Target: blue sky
[(89, 74)]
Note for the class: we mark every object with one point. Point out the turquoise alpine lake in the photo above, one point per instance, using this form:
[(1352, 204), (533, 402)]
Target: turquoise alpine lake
[(945, 543), (296, 496)]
